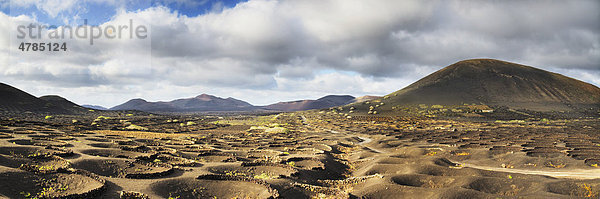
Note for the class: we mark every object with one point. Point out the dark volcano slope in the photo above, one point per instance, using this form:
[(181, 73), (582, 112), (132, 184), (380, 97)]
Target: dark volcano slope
[(64, 104), (499, 83), (13, 100)]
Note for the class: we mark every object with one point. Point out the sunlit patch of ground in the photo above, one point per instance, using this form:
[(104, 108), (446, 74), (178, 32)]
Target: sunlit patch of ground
[(143, 134)]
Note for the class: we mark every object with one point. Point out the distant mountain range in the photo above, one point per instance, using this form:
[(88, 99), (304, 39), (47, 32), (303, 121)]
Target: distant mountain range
[(207, 102), (199, 103), (13, 100), (324, 102), (95, 107), (476, 81)]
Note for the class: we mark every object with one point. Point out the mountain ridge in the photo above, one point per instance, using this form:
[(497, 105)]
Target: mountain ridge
[(14, 100), (200, 103), (301, 105), (501, 83), (63, 103), (206, 102), (475, 81)]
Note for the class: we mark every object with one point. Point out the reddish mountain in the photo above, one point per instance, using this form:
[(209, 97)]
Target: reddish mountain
[(301, 105)]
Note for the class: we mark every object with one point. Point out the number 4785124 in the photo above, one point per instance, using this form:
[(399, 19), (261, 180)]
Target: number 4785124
[(43, 46)]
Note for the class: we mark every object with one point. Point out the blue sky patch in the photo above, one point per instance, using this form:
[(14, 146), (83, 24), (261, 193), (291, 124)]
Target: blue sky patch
[(97, 12)]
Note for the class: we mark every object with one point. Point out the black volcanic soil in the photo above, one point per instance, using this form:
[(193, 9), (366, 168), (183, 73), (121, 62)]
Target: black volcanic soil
[(67, 184), (467, 131), (299, 155)]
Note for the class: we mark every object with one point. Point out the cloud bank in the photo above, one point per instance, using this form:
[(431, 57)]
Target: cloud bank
[(268, 51)]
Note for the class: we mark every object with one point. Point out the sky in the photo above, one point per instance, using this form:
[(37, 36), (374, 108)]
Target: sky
[(264, 51)]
